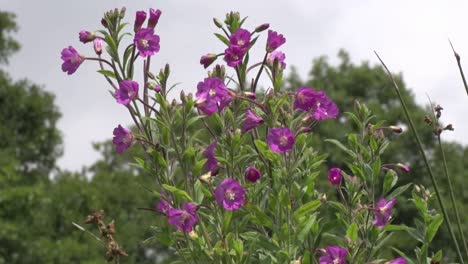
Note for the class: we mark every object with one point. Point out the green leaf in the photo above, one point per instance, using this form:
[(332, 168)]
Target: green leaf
[(399, 190), (433, 227), (390, 180), (341, 146), (305, 230), (391, 228), (199, 195), (352, 232), (107, 73), (222, 38), (306, 208), (257, 216), (177, 192)]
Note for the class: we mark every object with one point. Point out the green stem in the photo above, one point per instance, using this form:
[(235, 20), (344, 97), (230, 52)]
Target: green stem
[(452, 197), (254, 87), (426, 161), (457, 57)]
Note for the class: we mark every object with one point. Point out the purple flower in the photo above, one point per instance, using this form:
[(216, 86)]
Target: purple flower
[(163, 207), (382, 211), (334, 255), (403, 167), (211, 164), (276, 55), (71, 60), (212, 95), (307, 99), (86, 36), (233, 56), (208, 59), (147, 42), (252, 174), (140, 18), (154, 17), (127, 92), (230, 194), (274, 40), (184, 219), (241, 39), (97, 45), (280, 139), (400, 260), (251, 121), (123, 139), (334, 176)]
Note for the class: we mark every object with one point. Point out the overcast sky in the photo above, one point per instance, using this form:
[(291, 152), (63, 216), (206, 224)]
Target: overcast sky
[(411, 36)]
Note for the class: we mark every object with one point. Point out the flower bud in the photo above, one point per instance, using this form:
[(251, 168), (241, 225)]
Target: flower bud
[(97, 44), (396, 129), (208, 59), (153, 86), (154, 17), (122, 12), (87, 36), (140, 18), (217, 23), (182, 96), (167, 71), (303, 130), (262, 27), (250, 95), (252, 174), (403, 167), (449, 127), (323, 198), (104, 23)]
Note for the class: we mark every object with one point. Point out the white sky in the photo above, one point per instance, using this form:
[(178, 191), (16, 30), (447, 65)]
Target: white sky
[(411, 36)]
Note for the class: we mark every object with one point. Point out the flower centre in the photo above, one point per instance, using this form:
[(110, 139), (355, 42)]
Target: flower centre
[(144, 43), (212, 92), (240, 42), (230, 195), (283, 140), (336, 261), (128, 139), (131, 94), (301, 98), (183, 217)]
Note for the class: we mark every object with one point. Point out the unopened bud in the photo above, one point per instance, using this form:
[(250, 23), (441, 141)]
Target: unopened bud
[(208, 59), (97, 44), (304, 130), (217, 23), (417, 188), (449, 127), (262, 27), (190, 96), (182, 96), (323, 198), (104, 23), (396, 129), (153, 86), (250, 95), (403, 167), (307, 118), (153, 17), (122, 12), (140, 18), (167, 70), (438, 109), (174, 103)]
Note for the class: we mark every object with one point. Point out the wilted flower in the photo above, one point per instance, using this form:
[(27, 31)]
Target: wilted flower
[(382, 211), (212, 95), (86, 36), (334, 255), (140, 18), (230, 194), (184, 219), (280, 139), (146, 42), (233, 55), (127, 92), (241, 39), (251, 121), (334, 176), (71, 60), (211, 164), (274, 40), (278, 55), (208, 59), (252, 174), (163, 207), (123, 139), (153, 17), (400, 260)]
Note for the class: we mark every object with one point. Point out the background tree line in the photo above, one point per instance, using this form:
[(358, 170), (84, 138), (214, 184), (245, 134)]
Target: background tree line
[(39, 201)]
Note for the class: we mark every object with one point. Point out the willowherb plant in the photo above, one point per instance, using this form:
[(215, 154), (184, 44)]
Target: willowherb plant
[(235, 168)]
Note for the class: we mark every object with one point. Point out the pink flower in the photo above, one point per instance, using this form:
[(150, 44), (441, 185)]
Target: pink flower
[(97, 45), (71, 60), (334, 176), (251, 121), (86, 36), (123, 139), (241, 39), (280, 139), (211, 164), (185, 219), (154, 17), (140, 18), (400, 260), (274, 40), (230, 194), (334, 255), (146, 42), (252, 174), (306, 99), (163, 207), (383, 211), (127, 92), (212, 95), (233, 56)]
